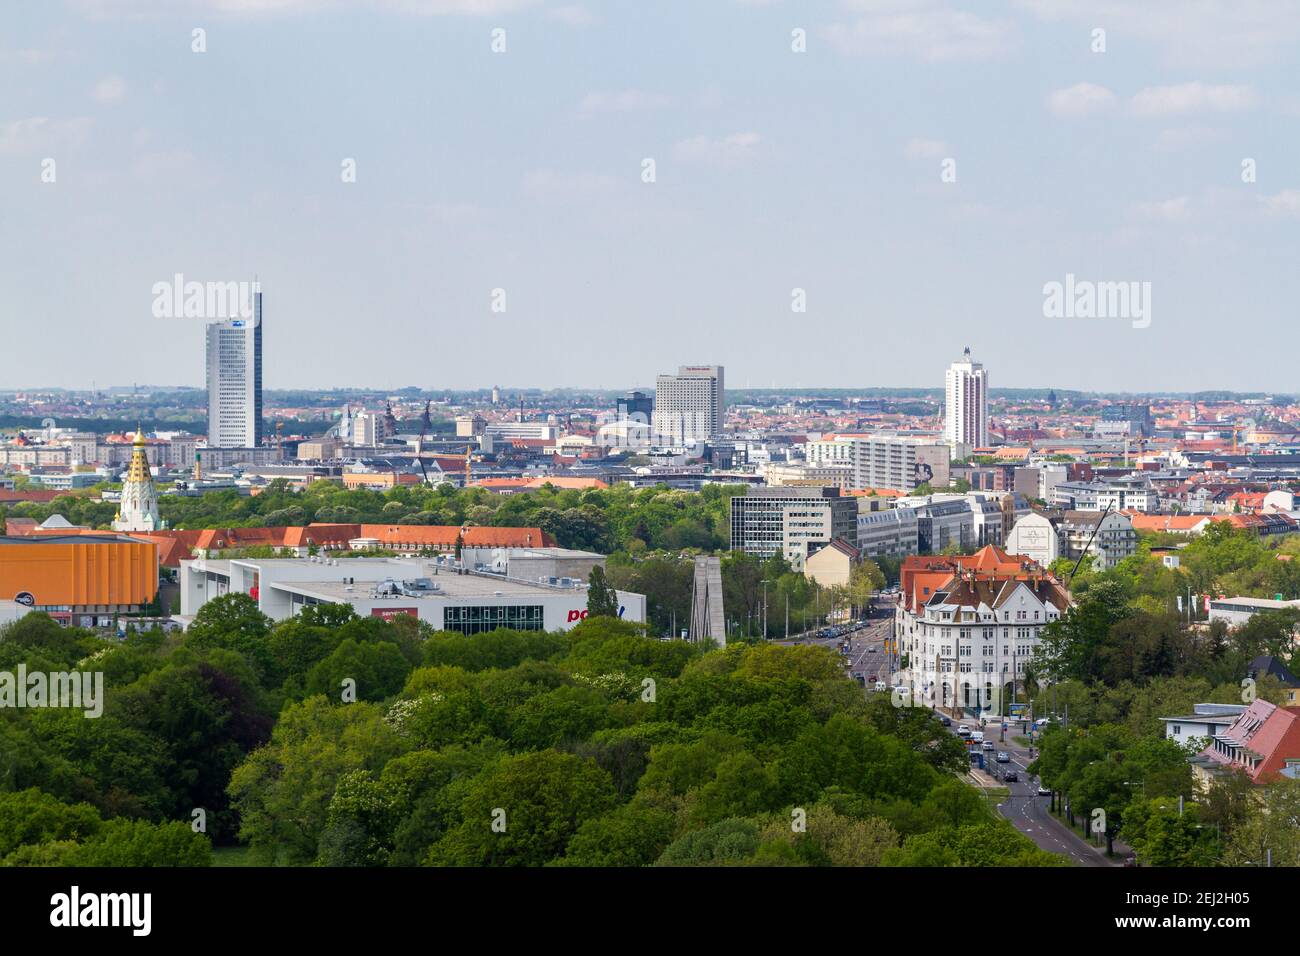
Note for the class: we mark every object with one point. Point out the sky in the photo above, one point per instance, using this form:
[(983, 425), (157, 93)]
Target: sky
[(845, 193)]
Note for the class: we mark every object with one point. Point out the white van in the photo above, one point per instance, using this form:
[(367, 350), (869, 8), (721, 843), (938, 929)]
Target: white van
[(977, 736)]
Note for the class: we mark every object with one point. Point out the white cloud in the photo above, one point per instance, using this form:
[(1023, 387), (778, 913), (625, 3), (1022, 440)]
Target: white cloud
[(574, 16), (111, 89), (152, 166), (1192, 98), (920, 29), (472, 8), (109, 9), (621, 101), (1283, 204), (717, 151), (1221, 33), (1081, 99), (554, 186), (42, 134), (29, 57), (1164, 210), (1188, 137), (926, 149)]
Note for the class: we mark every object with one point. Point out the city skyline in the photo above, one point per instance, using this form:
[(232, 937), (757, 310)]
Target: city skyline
[(386, 203)]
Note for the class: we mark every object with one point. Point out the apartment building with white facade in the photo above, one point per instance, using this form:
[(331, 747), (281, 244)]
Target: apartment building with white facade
[(966, 397), (970, 633), (1099, 495), (901, 462), (830, 451)]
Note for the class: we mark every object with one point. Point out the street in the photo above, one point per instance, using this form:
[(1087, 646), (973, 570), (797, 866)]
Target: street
[(866, 652), (1023, 807), (1028, 812)]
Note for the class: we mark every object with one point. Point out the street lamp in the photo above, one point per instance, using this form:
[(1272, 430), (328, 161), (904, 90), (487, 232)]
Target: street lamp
[(765, 584)]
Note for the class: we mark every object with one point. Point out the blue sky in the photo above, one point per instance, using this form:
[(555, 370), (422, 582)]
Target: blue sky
[(775, 170)]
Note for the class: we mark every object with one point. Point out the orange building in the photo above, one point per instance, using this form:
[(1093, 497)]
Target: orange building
[(78, 578)]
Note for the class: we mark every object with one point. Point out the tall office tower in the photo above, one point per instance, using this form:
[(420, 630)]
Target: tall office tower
[(966, 399), (688, 406), (235, 380)]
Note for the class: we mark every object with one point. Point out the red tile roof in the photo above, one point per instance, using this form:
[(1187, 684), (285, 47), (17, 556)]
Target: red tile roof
[(1266, 730), (8, 497), (335, 537)]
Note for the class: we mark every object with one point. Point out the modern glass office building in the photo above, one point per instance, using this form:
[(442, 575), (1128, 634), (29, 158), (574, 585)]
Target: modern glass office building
[(235, 380)]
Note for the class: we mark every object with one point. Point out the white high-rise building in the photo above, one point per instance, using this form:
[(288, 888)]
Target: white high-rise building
[(235, 380), (688, 406), (966, 403)]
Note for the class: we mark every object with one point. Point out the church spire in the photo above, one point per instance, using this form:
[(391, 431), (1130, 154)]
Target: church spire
[(138, 508)]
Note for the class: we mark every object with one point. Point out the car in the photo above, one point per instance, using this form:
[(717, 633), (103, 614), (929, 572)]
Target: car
[(1011, 777), (872, 649), (873, 678), (977, 735), (1044, 791), (1004, 757), (963, 731), (946, 721), (989, 745)]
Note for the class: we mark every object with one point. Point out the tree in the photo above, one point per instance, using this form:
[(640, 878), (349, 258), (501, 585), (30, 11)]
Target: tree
[(524, 810), (634, 834), (378, 669), (233, 621), (728, 841), (865, 579), (980, 844), (138, 843), (30, 816), (1162, 836), (282, 791), (1270, 832), (602, 601), (833, 839), (1071, 645)]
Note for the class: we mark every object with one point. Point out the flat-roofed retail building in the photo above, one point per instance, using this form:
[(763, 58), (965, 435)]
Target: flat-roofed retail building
[(437, 591)]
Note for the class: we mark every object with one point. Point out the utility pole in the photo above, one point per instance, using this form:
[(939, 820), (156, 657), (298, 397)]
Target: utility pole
[(787, 615)]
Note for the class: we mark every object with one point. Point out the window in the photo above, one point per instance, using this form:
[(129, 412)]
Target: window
[(477, 619)]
